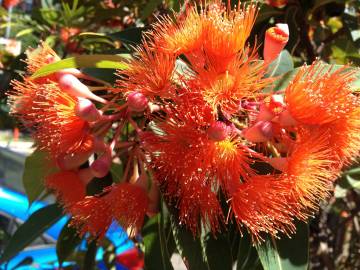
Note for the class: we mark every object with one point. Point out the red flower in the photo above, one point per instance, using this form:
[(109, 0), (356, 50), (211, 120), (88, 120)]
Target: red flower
[(10, 3), (68, 187), (91, 215), (51, 114)]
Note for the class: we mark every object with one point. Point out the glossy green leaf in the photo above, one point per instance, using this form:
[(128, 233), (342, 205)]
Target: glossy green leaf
[(37, 167), (32, 228), (157, 256), (247, 257), (189, 247), (129, 35), (217, 251), (83, 61), (282, 64), (286, 253), (67, 242)]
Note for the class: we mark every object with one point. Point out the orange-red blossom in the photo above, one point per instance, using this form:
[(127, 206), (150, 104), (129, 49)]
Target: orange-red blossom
[(207, 129)]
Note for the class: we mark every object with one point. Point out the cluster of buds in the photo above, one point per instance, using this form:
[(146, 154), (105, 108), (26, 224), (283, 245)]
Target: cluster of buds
[(200, 128)]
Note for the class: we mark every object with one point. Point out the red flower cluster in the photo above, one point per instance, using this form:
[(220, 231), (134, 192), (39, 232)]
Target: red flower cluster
[(208, 127)]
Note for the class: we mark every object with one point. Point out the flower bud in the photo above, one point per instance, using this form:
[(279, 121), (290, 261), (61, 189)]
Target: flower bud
[(262, 131), (277, 3), (275, 40), (72, 161), (86, 110), (137, 102), (86, 175), (279, 163), (265, 113), (285, 119), (73, 86), (218, 131), (101, 166)]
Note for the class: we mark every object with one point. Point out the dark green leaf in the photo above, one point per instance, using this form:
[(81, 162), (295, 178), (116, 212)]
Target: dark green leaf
[(83, 61), (188, 246), (106, 75), (130, 35), (37, 223), (247, 257), (157, 256), (90, 256), (67, 242), (218, 251), (37, 167), (286, 253)]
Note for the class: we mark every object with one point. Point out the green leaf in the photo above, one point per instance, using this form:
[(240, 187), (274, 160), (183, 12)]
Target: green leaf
[(129, 35), (32, 228), (90, 256), (217, 250), (156, 252), (188, 246), (286, 253), (37, 167), (83, 61), (247, 257), (282, 64), (24, 32), (68, 240)]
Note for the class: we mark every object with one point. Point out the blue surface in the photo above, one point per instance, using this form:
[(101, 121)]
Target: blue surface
[(15, 205)]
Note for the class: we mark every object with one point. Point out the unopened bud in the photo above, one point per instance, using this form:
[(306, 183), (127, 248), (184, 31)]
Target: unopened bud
[(86, 110), (275, 40), (285, 119), (72, 161), (73, 86), (137, 102), (101, 166), (262, 131), (277, 3), (218, 131), (265, 114), (86, 175), (279, 163)]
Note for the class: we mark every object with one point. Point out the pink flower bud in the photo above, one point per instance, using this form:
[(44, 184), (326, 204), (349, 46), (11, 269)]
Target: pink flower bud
[(86, 175), (275, 40), (137, 102), (86, 110), (72, 161), (265, 113), (101, 166), (73, 86), (262, 131), (218, 131), (279, 163), (73, 71), (285, 119), (277, 3)]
